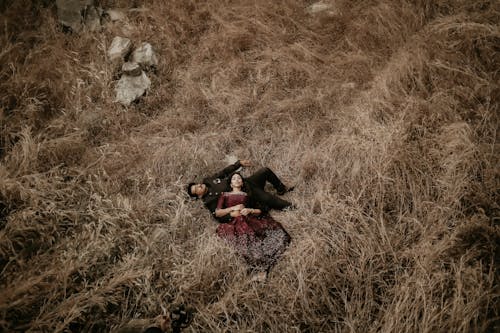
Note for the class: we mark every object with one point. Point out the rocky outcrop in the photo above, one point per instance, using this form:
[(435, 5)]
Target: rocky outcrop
[(130, 88), (145, 56), (79, 14), (131, 69), (92, 18), (133, 82), (119, 48)]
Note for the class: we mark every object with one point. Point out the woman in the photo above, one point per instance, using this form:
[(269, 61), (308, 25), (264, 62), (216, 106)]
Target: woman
[(255, 235)]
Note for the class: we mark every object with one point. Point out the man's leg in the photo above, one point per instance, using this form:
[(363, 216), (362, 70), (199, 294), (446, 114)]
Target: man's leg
[(268, 200), (265, 174)]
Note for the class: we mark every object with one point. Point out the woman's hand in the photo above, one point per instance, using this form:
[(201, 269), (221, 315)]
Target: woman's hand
[(247, 211), (233, 211), (237, 207), (236, 210)]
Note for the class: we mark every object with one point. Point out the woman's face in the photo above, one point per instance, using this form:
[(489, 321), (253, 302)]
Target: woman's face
[(236, 181)]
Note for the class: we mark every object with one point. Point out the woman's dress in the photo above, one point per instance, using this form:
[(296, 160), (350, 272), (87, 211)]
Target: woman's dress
[(259, 239)]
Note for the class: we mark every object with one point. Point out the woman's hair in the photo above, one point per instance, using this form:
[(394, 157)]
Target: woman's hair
[(244, 187)]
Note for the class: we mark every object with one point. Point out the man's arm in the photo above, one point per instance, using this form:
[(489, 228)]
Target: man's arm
[(232, 168), (211, 205)]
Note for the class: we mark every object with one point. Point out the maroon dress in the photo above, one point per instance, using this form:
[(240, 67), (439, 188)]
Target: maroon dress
[(258, 238)]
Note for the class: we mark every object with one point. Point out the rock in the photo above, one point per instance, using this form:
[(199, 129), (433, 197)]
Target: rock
[(145, 56), (71, 13), (116, 15), (119, 48), (319, 7), (139, 10), (131, 69), (93, 18), (230, 159), (130, 88)]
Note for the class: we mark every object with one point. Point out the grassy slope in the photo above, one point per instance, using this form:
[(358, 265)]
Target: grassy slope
[(385, 116)]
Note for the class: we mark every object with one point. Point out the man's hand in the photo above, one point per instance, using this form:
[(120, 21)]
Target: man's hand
[(246, 163)]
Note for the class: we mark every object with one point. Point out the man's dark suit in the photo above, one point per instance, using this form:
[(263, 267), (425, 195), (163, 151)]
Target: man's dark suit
[(220, 182)]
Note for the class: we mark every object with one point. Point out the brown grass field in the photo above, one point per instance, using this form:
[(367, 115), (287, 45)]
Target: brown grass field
[(383, 113)]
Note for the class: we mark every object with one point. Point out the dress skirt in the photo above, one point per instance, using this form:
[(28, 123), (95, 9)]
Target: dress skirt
[(259, 239)]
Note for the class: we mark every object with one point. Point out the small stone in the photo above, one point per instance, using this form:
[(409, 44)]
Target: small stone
[(93, 18), (145, 56), (116, 15), (119, 48), (130, 88), (319, 7), (131, 69)]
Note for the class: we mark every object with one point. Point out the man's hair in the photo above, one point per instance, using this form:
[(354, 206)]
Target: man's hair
[(191, 194)]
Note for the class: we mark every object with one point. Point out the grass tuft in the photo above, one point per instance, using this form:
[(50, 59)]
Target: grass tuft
[(383, 114)]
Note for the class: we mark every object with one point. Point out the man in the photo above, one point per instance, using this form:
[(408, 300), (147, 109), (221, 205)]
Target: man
[(210, 188)]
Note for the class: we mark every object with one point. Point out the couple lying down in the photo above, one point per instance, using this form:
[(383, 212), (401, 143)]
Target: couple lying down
[(241, 206)]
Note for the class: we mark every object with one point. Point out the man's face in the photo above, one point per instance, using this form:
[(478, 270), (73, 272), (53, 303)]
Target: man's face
[(199, 189), (163, 322)]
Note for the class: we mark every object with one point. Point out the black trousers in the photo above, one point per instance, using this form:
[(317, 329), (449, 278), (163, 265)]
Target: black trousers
[(257, 182)]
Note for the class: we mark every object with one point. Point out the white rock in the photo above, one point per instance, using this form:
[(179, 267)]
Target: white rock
[(319, 7), (144, 55), (130, 88), (131, 69), (116, 14), (120, 46)]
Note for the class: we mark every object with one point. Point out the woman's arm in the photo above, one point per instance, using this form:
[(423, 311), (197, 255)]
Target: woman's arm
[(219, 212), (223, 211)]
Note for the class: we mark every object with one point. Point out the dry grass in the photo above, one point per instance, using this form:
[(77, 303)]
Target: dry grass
[(384, 114)]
